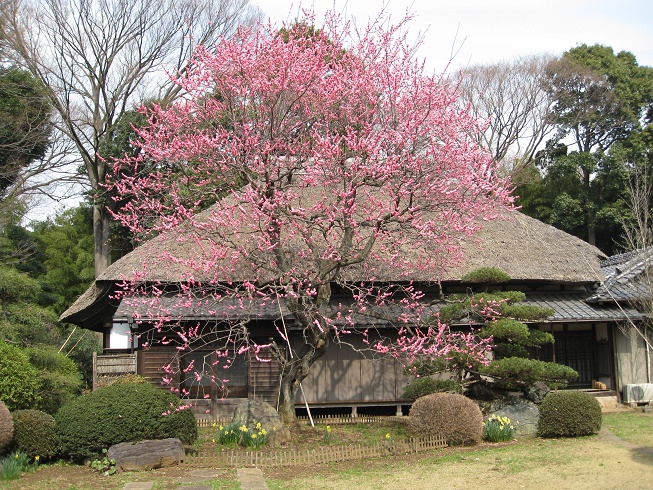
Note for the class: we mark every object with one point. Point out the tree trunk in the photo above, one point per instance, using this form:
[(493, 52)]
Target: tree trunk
[(101, 239), (293, 374), (589, 211)]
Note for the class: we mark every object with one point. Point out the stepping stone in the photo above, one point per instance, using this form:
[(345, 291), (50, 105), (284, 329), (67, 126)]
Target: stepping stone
[(251, 479), (195, 487), (139, 485)]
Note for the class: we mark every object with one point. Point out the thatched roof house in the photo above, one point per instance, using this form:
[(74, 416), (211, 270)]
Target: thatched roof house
[(554, 268)]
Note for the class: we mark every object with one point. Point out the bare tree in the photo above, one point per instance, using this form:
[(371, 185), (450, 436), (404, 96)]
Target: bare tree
[(511, 97), (98, 58), (638, 237)]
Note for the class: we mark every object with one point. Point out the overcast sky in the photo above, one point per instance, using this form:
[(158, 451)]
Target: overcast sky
[(488, 31)]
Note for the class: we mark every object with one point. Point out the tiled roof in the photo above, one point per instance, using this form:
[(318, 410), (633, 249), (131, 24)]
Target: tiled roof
[(568, 307), (624, 278), (573, 307)]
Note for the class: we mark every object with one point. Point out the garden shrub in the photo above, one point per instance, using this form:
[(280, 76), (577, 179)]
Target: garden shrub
[(452, 416), (569, 414), (420, 387), (19, 380), (121, 413), (35, 434), (59, 375), (6, 428)]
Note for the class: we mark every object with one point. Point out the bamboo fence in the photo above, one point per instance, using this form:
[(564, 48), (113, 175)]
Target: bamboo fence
[(329, 454), (319, 420)]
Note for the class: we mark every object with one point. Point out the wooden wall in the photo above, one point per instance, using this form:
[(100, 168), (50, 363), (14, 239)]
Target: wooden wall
[(263, 379), (151, 362), (345, 375)]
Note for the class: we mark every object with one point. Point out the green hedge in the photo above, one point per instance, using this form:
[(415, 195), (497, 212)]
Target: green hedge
[(59, 376), (121, 413), (19, 380)]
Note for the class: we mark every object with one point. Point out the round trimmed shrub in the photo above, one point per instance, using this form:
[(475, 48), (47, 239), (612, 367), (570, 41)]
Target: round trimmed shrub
[(420, 387), (121, 413), (19, 380), (569, 414), (35, 434), (6, 428), (454, 417)]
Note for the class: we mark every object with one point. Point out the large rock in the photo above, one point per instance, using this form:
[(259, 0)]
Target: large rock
[(523, 415), (252, 412), (537, 392), (147, 455)]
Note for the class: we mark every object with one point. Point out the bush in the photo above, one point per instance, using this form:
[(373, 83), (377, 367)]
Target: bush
[(121, 413), (420, 387), (569, 414), (59, 376), (19, 380), (35, 434), (454, 417), (6, 428)]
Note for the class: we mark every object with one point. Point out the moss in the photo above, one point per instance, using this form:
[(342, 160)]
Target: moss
[(486, 275)]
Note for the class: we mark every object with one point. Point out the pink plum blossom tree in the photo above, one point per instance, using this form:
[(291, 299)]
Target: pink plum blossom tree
[(305, 162)]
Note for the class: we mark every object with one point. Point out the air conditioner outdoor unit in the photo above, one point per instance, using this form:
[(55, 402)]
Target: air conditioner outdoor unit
[(638, 393)]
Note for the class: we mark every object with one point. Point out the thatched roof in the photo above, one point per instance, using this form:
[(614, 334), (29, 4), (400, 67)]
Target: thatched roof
[(529, 250), (523, 247)]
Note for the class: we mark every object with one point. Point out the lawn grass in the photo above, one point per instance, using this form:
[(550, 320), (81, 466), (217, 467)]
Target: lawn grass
[(634, 426)]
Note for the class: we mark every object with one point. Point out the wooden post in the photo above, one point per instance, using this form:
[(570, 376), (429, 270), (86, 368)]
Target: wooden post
[(94, 371)]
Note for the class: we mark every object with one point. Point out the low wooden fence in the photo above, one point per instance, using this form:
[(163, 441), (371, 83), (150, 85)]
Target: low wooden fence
[(319, 420), (329, 454)]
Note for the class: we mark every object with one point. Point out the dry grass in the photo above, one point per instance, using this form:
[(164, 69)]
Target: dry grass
[(587, 462)]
